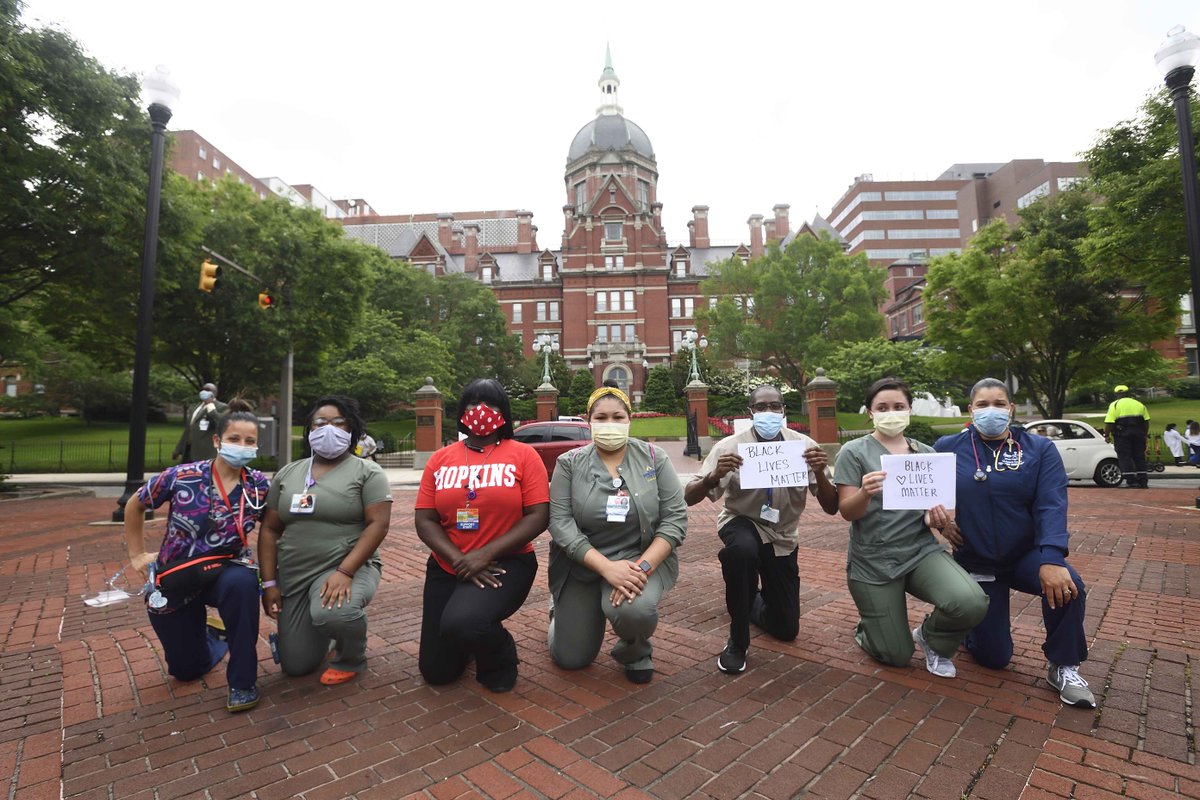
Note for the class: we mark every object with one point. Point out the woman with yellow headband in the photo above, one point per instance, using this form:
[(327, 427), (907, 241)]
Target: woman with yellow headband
[(616, 516)]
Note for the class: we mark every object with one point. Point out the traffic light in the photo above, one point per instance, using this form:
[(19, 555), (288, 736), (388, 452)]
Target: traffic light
[(265, 300), (210, 273)]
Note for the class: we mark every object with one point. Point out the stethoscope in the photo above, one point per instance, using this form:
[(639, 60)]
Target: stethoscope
[(1010, 443)]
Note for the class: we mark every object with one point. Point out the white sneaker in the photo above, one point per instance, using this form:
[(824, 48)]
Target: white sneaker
[(936, 664), (1072, 688)]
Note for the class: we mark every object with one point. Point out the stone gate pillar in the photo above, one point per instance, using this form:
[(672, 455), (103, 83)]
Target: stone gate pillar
[(428, 438), (821, 395)]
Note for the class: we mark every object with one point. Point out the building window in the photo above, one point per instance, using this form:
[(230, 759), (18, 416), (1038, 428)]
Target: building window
[(643, 193), (518, 312), (941, 213), (199, 176), (216, 162), (612, 231), (620, 376), (676, 341), (896, 252), (554, 311), (602, 334), (1034, 194), (924, 233), (581, 197), (1192, 367), (689, 306), (918, 315), (681, 268), (614, 333), (485, 274), (1067, 183), (950, 194), (629, 333), (602, 301), (614, 263), (944, 251), (614, 301), (629, 301), (1185, 311), (541, 312), (676, 307), (547, 272), (712, 302), (203, 152)]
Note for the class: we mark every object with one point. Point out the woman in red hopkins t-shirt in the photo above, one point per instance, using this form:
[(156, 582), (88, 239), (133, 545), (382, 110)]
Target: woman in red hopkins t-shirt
[(482, 502)]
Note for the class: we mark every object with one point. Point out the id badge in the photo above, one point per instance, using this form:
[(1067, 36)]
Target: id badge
[(768, 514), (617, 508), (303, 503), (202, 425), (246, 559), (467, 519)]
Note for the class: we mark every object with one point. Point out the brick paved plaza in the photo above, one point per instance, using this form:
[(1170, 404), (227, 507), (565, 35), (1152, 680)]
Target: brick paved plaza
[(86, 710)]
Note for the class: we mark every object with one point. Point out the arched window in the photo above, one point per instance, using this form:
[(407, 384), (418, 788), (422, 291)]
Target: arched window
[(620, 375)]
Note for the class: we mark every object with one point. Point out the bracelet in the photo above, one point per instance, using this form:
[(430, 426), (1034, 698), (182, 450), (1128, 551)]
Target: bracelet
[(268, 584), (345, 572)]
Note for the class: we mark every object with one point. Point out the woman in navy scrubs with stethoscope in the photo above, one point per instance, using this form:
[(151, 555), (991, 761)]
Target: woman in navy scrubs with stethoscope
[(1010, 532)]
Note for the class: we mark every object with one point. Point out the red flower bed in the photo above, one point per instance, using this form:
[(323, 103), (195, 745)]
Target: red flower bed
[(725, 425)]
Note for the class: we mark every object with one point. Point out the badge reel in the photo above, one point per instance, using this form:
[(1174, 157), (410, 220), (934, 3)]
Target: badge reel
[(467, 519), (617, 507)]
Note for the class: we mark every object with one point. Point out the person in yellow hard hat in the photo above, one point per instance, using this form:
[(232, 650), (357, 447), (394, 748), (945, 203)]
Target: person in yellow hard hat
[(1126, 424)]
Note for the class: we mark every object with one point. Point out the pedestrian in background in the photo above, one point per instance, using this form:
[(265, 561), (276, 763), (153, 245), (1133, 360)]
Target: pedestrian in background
[(196, 443), (1127, 424), (1174, 442)]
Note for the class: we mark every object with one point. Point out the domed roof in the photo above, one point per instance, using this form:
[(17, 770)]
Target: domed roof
[(610, 132)]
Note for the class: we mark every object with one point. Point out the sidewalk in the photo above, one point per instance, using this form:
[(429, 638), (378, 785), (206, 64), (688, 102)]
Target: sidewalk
[(87, 712)]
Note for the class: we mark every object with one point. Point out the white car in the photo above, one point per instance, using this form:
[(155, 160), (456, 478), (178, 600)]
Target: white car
[(1084, 452)]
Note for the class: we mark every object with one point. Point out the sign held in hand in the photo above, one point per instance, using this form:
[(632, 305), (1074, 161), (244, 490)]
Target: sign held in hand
[(918, 480), (773, 465)]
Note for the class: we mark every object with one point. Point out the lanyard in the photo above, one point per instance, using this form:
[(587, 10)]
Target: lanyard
[(241, 518), (770, 494)]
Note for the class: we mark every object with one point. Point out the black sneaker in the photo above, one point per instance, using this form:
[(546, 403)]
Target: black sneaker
[(732, 660)]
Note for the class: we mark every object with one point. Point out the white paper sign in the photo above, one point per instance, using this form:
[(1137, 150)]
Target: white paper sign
[(773, 464), (918, 480)]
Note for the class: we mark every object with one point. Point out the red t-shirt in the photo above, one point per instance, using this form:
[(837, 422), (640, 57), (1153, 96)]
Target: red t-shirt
[(507, 478)]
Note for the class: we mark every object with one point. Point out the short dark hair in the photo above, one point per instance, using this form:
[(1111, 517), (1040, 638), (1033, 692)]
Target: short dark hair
[(990, 383), (489, 392), (240, 404), (1170, 426), (888, 384), (235, 416), (757, 389), (347, 407)]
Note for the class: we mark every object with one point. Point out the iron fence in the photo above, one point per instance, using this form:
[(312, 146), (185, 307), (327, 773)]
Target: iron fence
[(68, 455)]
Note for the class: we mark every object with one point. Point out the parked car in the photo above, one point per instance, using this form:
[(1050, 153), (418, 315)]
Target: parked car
[(1084, 452), (552, 439)]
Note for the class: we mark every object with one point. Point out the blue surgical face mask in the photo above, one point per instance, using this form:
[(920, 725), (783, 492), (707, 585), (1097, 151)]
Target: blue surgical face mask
[(767, 423), (206, 395), (237, 456), (991, 421)]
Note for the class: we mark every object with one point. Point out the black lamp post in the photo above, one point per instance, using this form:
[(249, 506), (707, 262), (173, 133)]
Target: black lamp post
[(161, 92), (1176, 58)]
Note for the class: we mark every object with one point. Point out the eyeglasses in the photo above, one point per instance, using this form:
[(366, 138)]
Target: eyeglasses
[(761, 407), (337, 422)]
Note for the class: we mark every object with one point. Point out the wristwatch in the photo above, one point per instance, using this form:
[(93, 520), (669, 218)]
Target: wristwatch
[(645, 566)]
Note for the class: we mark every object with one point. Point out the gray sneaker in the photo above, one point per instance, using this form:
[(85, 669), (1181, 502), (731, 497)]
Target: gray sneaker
[(1072, 688), (936, 664)]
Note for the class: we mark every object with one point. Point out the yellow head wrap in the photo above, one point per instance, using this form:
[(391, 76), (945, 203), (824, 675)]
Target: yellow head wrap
[(605, 391)]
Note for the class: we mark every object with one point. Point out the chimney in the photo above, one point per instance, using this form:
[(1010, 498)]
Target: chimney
[(756, 235), (524, 231), (700, 220), (533, 238), (770, 226), (781, 221), (691, 233), (445, 234), (471, 247)]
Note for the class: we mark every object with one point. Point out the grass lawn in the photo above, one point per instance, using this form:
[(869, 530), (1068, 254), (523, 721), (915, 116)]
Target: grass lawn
[(1162, 411)]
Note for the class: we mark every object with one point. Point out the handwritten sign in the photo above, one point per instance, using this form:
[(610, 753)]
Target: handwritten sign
[(773, 465), (918, 480)]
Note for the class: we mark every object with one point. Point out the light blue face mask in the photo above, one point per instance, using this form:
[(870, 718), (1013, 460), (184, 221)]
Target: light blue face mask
[(237, 456), (767, 423), (991, 421), (206, 395)]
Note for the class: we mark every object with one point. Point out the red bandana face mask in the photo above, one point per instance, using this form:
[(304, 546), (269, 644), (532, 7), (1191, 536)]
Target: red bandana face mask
[(482, 421)]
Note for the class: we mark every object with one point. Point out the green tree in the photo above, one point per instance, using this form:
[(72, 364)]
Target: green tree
[(660, 392), (528, 375), (581, 387), (74, 153), (1027, 300), (1140, 228), (855, 366), (791, 308)]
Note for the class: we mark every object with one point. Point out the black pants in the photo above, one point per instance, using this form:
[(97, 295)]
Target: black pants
[(745, 560), (1130, 443), (459, 621)]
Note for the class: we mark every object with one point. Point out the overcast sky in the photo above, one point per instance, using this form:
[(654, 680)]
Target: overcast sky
[(431, 107)]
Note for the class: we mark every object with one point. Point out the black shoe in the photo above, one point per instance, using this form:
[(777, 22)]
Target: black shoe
[(503, 677), (758, 612), (732, 660), (639, 676)]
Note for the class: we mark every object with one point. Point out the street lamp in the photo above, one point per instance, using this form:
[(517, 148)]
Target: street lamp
[(160, 93), (1176, 58), (693, 341), (546, 345)]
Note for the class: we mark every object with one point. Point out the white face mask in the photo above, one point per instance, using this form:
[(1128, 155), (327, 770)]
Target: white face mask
[(891, 423), (610, 435)]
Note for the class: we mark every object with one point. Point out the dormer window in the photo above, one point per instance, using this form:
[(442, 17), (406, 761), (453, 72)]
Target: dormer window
[(681, 268), (547, 272), (485, 274), (612, 231)]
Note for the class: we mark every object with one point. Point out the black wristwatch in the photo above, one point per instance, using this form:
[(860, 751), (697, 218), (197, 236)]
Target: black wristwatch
[(645, 566)]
